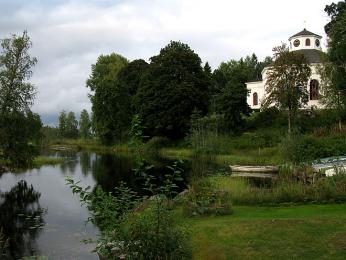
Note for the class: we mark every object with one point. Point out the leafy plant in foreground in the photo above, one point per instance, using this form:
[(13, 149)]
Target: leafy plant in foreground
[(134, 227)]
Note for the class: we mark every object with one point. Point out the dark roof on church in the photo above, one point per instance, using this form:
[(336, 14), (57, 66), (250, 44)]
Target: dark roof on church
[(313, 56), (305, 33)]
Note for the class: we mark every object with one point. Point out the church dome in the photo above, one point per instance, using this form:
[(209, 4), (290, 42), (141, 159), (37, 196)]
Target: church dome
[(305, 33), (305, 40)]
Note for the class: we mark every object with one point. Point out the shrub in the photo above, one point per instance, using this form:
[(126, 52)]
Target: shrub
[(271, 117), (298, 149), (202, 199), (157, 142), (135, 227), (307, 148)]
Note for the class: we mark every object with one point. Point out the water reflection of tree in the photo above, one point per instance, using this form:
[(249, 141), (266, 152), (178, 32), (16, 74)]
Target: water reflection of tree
[(70, 163), (85, 162), (109, 169), (21, 219)]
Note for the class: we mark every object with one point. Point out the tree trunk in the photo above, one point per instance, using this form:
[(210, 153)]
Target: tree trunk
[(340, 125), (289, 123)]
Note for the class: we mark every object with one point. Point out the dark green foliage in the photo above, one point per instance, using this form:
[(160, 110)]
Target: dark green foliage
[(19, 136), (113, 99), (71, 126), (134, 227), (16, 94), (174, 85), (103, 84), (62, 124), (165, 242), (336, 55), (232, 102), (268, 118), (18, 125), (157, 142), (50, 133), (230, 93), (68, 125), (335, 30), (105, 208), (124, 109), (85, 124), (310, 121), (301, 148), (207, 69), (136, 132), (242, 71), (130, 77)]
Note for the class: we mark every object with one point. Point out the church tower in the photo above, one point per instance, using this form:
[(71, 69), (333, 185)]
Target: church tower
[(308, 44), (305, 40)]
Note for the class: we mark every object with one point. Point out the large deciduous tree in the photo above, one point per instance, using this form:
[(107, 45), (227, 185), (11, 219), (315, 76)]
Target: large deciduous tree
[(19, 127), (103, 85), (286, 82), (336, 31), (124, 109), (17, 94), (174, 85), (333, 70)]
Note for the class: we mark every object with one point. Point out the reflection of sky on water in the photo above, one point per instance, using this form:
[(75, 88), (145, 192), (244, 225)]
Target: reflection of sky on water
[(64, 222), (65, 218)]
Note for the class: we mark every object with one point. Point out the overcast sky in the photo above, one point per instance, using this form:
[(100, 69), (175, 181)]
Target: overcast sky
[(69, 35)]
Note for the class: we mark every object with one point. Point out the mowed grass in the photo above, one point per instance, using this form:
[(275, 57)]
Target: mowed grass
[(295, 232)]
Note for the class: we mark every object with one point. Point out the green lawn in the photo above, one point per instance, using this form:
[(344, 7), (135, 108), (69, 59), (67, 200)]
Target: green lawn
[(296, 232)]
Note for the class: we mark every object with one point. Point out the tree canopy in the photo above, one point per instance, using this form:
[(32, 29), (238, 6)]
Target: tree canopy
[(84, 124), (174, 85), (68, 125), (19, 127), (230, 93), (333, 71), (286, 83), (16, 93), (103, 85), (128, 81)]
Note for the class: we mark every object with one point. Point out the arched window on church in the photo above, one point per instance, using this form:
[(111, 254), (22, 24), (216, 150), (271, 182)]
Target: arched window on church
[(313, 89), (307, 42), (255, 99)]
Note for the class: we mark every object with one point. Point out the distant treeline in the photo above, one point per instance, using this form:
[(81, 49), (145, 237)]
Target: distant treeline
[(70, 127)]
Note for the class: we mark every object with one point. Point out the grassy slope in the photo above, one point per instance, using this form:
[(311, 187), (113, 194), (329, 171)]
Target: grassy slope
[(297, 232), (266, 156)]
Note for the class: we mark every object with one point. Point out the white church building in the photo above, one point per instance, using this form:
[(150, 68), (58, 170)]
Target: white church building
[(307, 43)]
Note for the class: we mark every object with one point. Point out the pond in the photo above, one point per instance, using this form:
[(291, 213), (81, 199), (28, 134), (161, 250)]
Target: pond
[(41, 215)]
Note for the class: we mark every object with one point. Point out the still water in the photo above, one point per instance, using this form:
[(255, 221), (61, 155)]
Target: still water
[(41, 215)]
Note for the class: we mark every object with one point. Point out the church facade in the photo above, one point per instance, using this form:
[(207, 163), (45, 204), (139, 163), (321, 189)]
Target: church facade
[(307, 43)]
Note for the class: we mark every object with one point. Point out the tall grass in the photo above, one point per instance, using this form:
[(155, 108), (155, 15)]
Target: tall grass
[(283, 190), (45, 160)]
